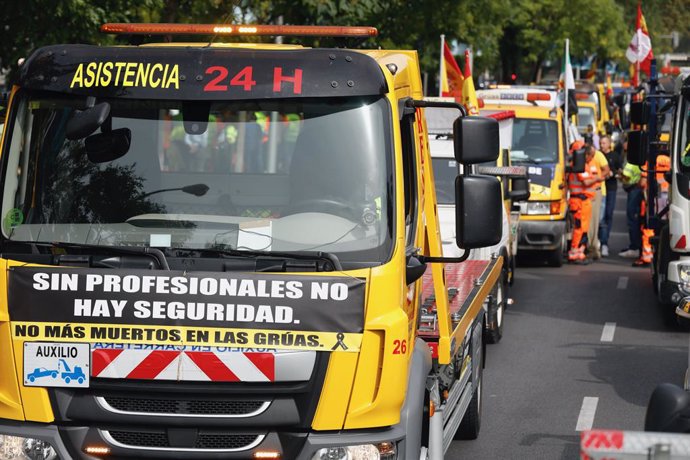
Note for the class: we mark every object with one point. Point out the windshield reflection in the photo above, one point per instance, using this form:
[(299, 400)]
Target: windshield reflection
[(278, 175)]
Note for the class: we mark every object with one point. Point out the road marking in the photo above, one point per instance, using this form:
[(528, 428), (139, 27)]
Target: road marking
[(587, 412), (622, 282), (607, 333)]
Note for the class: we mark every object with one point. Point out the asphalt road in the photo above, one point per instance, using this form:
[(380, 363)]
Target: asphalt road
[(583, 346)]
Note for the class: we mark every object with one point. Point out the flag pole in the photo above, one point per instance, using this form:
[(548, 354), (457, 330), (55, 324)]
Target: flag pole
[(440, 69), (566, 58)]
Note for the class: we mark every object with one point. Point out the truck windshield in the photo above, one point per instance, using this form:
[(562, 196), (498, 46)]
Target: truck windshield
[(534, 141), (585, 118), (281, 175)]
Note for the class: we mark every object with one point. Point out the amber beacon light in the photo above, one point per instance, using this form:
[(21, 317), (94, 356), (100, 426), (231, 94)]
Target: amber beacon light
[(236, 30)]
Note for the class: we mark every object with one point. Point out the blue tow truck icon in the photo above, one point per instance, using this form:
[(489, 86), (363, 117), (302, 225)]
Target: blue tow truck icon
[(42, 372), (67, 374)]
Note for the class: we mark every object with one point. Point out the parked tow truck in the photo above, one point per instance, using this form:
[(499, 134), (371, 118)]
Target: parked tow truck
[(539, 144), (231, 238), (514, 188), (668, 212)]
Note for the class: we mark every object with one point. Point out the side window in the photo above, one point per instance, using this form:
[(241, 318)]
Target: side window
[(410, 176)]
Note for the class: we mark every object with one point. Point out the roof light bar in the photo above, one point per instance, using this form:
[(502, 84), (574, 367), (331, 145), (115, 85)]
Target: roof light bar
[(236, 30), (532, 97)]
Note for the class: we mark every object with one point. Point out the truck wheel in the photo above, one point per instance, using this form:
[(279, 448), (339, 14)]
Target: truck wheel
[(67, 379), (663, 256), (497, 309), (555, 257), (471, 422), (683, 323), (512, 271)]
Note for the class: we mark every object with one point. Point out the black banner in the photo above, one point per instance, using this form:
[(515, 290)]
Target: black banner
[(541, 175), (201, 73), (176, 298)]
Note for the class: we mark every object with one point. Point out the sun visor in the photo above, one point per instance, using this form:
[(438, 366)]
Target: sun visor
[(193, 73)]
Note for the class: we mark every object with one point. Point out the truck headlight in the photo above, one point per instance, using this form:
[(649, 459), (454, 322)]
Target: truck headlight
[(18, 448), (684, 273), (381, 451), (538, 208)]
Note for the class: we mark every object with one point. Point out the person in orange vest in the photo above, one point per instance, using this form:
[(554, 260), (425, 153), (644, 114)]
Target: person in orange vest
[(663, 165), (581, 187)]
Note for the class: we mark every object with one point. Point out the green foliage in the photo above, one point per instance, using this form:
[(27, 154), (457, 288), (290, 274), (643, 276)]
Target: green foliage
[(507, 35)]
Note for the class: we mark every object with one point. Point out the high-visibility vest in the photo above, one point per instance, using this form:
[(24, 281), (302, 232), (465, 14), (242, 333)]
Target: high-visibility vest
[(576, 183)]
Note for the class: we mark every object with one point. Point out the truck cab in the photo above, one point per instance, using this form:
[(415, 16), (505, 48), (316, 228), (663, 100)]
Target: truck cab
[(539, 144), (595, 93), (227, 242)]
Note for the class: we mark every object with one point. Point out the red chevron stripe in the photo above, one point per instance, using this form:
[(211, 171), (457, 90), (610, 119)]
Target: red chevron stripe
[(153, 365), (213, 367), (100, 358), (265, 362)]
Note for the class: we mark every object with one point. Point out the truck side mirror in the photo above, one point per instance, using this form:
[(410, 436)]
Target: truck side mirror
[(579, 159), (668, 410), (475, 140), (519, 189), (637, 147), (639, 112), (478, 216)]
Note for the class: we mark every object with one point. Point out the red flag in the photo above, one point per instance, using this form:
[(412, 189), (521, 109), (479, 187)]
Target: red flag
[(453, 75)]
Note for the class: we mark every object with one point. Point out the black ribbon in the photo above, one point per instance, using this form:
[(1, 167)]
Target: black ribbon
[(340, 336)]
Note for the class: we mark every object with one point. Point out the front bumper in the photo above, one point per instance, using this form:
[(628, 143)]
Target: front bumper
[(544, 235), (310, 442)]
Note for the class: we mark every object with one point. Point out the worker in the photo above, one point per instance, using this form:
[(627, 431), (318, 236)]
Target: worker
[(633, 184), (663, 165), (580, 202), (602, 170)]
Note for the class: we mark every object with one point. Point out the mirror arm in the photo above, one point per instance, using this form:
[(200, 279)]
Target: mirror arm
[(447, 105), (450, 260)]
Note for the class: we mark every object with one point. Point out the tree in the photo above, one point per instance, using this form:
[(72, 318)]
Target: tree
[(536, 31), (29, 24)]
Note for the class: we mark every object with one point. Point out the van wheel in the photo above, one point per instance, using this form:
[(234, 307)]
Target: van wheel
[(497, 309), (471, 422)]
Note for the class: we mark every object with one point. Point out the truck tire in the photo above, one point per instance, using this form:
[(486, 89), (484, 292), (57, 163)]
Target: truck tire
[(555, 257), (496, 309), (471, 422), (662, 257)]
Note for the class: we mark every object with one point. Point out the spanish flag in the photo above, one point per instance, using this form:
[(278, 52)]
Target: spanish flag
[(469, 94), (451, 75)]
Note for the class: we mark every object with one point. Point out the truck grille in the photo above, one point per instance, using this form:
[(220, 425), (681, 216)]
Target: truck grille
[(160, 440), (237, 408)]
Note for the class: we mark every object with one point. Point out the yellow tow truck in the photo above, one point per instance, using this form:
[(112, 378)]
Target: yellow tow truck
[(217, 251), (539, 144), (595, 93)]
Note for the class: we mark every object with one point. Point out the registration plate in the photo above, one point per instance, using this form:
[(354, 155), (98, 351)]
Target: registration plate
[(50, 364)]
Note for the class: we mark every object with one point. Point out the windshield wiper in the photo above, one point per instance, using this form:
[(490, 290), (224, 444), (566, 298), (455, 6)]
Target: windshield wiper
[(332, 261), (154, 253)]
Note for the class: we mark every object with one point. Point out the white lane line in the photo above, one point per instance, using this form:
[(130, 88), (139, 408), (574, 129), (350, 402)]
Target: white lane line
[(587, 412), (622, 282), (607, 333)]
